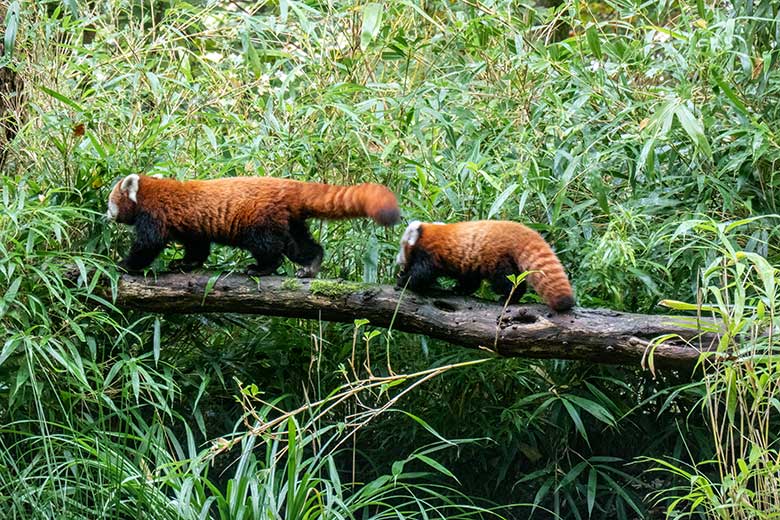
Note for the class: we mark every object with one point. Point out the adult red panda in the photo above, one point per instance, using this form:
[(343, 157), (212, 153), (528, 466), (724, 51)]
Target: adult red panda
[(485, 249), (264, 215)]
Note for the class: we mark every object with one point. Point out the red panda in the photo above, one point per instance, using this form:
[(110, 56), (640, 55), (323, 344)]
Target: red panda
[(264, 215), (485, 249)]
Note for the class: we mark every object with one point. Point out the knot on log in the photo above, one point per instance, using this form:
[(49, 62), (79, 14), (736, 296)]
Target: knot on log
[(444, 306), (517, 315)]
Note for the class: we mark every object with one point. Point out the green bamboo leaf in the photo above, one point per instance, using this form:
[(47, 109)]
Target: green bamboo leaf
[(687, 226), (251, 56), (543, 491), (62, 98), (73, 7), (212, 138), (209, 286), (593, 408), (646, 161), (601, 191), (135, 382), (428, 427), (575, 417), (731, 394), (700, 9), (592, 484), (684, 306), (154, 85), (83, 276), (765, 270), (623, 494), (76, 328), (501, 199), (572, 474), (694, 128), (22, 377), (662, 120), (736, 102), (97, 145), (11, 28), (437, 466), (112, 373), (592, 36), (372, 22), (10, 295), (8, 348), (156, 340)]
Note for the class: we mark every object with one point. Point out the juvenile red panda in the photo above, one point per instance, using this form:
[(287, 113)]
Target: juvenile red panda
[(485, 249), (264, 215)]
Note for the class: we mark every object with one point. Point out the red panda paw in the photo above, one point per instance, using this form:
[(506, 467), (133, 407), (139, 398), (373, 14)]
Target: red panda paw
[(308, 272), (311, 270)]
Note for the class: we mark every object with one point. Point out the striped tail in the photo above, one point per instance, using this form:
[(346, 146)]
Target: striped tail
[(547, 276), (362, 200)]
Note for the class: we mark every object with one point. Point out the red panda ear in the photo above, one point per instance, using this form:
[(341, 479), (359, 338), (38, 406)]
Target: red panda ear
[(130, 186), (409, 239), (157, 176), (412, 233)]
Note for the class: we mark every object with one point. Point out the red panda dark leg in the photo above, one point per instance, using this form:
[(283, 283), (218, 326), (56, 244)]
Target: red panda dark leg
[(149, 243), (195, 254), (468, 283), (502, 285), (303, 250), (419, 273), (266, 248)]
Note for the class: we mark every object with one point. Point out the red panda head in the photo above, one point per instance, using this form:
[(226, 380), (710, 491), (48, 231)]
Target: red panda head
[(123, 199), (408, 241)]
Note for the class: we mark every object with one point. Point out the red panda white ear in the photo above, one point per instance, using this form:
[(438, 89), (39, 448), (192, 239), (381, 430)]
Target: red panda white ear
[(157, 176), (412, 233), (409, 238), (130, 186)]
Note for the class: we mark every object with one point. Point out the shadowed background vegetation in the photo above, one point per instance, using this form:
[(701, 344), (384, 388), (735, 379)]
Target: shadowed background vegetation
[(638, 137)]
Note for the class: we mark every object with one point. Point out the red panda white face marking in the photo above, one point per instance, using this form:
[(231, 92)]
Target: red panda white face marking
[(408, 240), (113, 210), (127, 187)]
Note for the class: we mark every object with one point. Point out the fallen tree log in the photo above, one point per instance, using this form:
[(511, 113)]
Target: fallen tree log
[(533, 331)]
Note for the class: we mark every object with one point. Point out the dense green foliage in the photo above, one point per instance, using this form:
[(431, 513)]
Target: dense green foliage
[(639, 137)]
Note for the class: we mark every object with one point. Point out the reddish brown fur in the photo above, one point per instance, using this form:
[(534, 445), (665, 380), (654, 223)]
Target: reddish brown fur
[(224, 208), (480, 247)]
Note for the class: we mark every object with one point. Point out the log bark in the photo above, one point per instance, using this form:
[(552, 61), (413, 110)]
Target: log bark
[(532, 331)]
